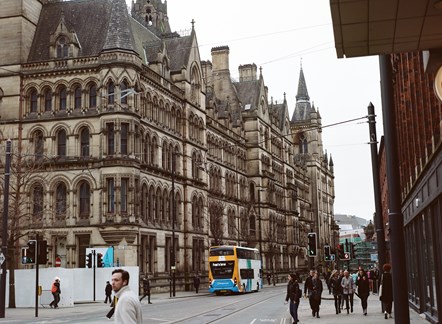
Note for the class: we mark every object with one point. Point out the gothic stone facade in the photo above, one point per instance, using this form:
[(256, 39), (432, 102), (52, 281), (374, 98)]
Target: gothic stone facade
[(122, 136)]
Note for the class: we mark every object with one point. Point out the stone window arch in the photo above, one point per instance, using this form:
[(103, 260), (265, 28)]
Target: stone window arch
[(84, 142), (84, 199), (62, 47), (60, 200), (61, 143)]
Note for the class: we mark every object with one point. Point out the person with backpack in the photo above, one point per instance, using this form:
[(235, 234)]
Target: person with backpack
[(294, 294), (56, 291)]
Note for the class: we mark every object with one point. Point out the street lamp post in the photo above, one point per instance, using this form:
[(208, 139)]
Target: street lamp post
[(4, 250), (173, 223), (259, 224)]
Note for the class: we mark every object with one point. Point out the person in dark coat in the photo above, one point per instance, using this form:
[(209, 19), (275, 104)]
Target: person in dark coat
[(196, 282), (308, 288), (315, 294), (386, 295), (293, 294), (108, 292), (146, 289), (363, 284), (335, 284)]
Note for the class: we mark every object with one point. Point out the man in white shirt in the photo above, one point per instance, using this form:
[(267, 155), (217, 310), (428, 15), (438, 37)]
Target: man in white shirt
[(128, 306)]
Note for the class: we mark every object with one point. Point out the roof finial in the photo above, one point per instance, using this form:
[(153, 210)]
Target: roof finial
[(193, 23), (301, 63), (284, 95), (260, 71)]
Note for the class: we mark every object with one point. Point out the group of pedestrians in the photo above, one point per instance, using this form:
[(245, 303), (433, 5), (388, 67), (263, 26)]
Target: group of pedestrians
[(343, 286)]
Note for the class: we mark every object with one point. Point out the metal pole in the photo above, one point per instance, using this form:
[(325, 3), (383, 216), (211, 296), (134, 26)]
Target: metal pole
[(4, 251), (93, 263), (259, 224), (37, 242), (378, 220), (395, 216), (173, 223)]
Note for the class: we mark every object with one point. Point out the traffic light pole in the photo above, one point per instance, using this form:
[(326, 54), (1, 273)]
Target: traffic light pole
[(36, 274), (93, 265)]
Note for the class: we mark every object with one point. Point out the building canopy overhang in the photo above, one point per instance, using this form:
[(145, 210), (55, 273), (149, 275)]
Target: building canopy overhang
[(377, 27)]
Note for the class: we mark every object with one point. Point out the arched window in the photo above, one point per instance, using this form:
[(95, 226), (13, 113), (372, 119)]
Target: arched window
[(61, 143), (77, 97), (62, 47), (38, 145), (33, 101), (85, 199), (62, 97), (37, 201), (92, 96), (60, 200), (144, 203), (84, 142), (111, 93), (48, 99), (123, 92)]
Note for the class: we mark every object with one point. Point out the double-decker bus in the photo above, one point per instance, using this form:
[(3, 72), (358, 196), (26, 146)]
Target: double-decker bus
[(234, 269)]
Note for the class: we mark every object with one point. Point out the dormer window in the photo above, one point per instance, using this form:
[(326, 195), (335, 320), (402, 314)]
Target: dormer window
[(62, 47)]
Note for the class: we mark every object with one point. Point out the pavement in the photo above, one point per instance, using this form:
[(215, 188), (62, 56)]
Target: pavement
[(327, 311)]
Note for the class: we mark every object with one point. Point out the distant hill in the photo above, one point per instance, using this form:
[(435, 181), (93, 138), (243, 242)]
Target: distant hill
[(346, 222)]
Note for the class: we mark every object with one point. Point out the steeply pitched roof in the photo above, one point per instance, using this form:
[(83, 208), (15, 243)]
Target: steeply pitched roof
[(88, 19), (303, 107), (99, 25), (248, 92)]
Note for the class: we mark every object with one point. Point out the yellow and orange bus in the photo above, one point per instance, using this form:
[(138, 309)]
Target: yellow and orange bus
[(234, 269)]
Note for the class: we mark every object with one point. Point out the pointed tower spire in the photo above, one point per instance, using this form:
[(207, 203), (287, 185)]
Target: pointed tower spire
[(302, 88), (303, 107)]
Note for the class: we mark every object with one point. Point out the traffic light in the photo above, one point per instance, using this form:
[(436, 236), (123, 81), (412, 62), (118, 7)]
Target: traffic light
[(327, 254), (311, 250), (31, 253), (42, 255), (341, 252), (100, 263), (89, 260)]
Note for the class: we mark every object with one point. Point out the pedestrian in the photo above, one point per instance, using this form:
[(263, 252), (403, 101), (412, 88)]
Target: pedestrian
[(341, 275), (308, 288), (315, 294), (196, 282), (269, 278), (127, 305), (348, 288), (362, 282), (56, 291), (146, 289), (108, 292), (294, 294), (335, 283), (386, 290), (327, 281)]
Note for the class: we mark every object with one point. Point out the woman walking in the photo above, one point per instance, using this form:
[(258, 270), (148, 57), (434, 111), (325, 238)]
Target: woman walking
[(363, 284), (315, 297), (386, 292), (293, 294), (335, 284)]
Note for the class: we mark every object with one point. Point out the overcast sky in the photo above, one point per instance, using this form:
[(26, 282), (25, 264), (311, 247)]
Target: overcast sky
[(278, 35)]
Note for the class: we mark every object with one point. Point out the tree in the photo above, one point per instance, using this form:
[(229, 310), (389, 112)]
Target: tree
[(25, 204), (216, 214)]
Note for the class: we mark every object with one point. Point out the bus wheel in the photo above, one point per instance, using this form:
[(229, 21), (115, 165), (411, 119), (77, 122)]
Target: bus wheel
[(257, 286), (244, 288), (217, 293)]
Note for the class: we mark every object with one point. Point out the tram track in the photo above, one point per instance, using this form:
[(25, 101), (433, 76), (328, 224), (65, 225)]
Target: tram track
[(218, 313)]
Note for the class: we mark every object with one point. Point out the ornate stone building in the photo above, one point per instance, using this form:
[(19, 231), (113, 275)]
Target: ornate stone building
[(123, 137)]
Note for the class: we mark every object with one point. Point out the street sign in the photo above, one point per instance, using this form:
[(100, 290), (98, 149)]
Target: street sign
[(58, 262), (2, 258)]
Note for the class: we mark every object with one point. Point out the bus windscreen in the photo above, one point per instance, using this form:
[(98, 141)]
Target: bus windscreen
[(222, 269)]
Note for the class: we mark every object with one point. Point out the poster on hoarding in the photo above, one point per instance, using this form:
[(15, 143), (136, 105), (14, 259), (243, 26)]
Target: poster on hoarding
[(107, 255)]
